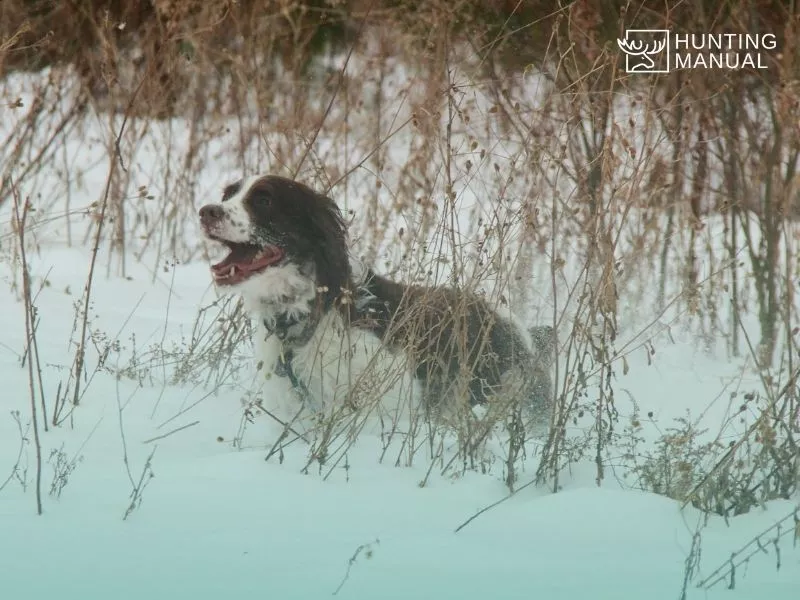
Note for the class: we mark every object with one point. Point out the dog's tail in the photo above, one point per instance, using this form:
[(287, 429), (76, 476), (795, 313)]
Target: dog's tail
[(543, 342), (544, 347)]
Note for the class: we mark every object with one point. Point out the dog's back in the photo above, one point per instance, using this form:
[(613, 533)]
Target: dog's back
[(461, 348)]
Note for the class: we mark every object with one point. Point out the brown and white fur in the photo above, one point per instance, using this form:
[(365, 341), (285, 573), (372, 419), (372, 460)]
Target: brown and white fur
[(288, 259)]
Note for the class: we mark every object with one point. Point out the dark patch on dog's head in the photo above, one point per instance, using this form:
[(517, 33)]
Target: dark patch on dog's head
[(231, 190), (306, 225)]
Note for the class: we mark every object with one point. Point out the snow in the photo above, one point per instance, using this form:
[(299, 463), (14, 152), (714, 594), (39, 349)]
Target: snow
[(217, 520), (220, 522)]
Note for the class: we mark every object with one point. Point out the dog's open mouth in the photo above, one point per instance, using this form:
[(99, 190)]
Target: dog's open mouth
[(244, 261)]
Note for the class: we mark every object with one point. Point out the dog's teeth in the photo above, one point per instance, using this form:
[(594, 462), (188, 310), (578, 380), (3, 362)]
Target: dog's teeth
[(232, 271)]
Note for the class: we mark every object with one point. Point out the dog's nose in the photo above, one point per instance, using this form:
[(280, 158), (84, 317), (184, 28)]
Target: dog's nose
[(211, 212)]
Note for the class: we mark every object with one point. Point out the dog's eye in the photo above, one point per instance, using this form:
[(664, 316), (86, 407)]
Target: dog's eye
[(231, 191)]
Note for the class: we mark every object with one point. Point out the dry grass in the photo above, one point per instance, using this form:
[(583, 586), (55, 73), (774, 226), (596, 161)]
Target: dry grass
[(504, 152)]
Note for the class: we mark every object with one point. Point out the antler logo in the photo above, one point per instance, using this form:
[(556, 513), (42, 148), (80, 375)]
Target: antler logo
[(646, 50)]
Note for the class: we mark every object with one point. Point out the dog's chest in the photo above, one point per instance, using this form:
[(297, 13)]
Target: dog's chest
[(337, 365), (285, 290)]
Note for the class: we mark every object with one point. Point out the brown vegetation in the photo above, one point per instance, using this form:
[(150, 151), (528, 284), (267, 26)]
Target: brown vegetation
[(523, 104)]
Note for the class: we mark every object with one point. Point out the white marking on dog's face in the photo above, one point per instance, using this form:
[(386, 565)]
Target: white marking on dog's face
[(236, 224)]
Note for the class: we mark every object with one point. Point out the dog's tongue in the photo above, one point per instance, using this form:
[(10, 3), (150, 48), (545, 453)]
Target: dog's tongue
[(242, 260)]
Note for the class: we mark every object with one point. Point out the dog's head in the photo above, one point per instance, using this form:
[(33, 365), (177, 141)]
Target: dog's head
[(269, 222)]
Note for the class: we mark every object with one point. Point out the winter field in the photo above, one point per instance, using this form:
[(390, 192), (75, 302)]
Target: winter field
[(161, 475)]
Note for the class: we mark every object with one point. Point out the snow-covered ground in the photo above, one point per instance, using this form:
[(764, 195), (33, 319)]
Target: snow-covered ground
[(211, 518), (216, 521)]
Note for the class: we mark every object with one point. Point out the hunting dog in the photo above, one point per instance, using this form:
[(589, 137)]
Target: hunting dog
[(321, 327)]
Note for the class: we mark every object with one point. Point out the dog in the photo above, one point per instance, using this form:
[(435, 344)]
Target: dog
[(321, 328)]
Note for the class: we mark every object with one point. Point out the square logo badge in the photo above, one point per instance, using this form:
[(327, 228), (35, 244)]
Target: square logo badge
[(646, 50)]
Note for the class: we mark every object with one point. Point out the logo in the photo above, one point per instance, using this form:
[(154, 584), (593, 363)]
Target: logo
[(646, 50), (659, 50)]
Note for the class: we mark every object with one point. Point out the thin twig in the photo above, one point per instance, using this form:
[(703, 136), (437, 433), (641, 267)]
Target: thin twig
[(80, 353), (755, 546), (493, 505), (176, 430), (20, 220), (352, 561)]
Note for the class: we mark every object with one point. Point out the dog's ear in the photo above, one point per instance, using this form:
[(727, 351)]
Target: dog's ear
[(331, 247)]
